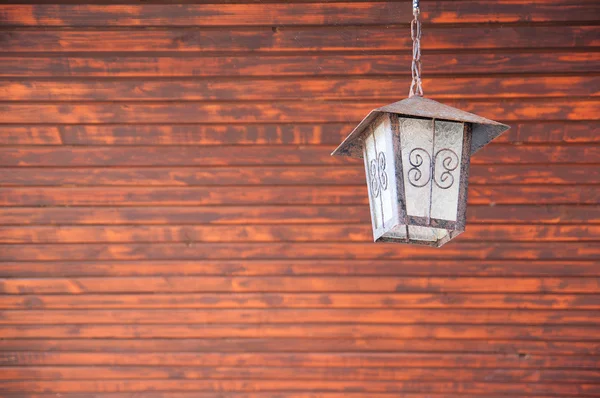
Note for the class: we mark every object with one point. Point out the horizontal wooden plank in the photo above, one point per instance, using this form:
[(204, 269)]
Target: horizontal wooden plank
[(293, 89), (351, 38), (281, 394), (565, 390), (522, 348), (292, 373), (293, 316), (29, 135), (346, 13), (291, 267), (303, 300), (242, 215), (296, 283), (456, 331), (279, 175), (309, 360), (286, 112), (277, 134), (278, 233), (284, 394), (281, 195), (101, 65), (264, 155), (348, 251)]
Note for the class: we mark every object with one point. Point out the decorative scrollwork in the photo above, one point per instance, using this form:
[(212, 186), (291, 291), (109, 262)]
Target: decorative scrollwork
[(379, 178), (383, 179), (449, 162), (415, 175), (445, 158)]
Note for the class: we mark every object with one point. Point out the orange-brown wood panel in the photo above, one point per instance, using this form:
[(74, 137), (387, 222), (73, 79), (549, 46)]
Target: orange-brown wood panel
[(349, 13), (261, 214), (304, 300), (521, 348), (570, 132), (273, 284), (295, 373), (320, 250), (292, 39), (172, 223), (291, 267), (329, 88), (202, 65), (263, 155), (272, 112), (281, 195), (266, 386), (308, 360), (277, 233), (567, 174), (290, 316)]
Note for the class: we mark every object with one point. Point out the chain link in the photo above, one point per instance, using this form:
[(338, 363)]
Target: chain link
[(416, 87)]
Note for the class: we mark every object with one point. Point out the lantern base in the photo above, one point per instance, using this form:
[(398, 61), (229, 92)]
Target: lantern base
[(420, 235)]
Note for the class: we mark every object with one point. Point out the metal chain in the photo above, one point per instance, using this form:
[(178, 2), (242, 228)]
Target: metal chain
[(416, 87)]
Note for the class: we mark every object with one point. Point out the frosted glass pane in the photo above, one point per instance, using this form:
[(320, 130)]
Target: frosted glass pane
[(416, 140), (370, 158), (426, 233), (448, 143), (385, 169), (398, 232)]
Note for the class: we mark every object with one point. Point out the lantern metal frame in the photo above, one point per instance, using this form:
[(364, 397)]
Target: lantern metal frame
[(478, 131)]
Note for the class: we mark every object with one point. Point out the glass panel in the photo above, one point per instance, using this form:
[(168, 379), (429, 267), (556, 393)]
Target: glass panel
[(426, 233), (370, 158), (416, 140), (448, 144)]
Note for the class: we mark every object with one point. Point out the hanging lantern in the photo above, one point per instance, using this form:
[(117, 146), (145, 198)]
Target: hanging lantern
[(416, 154)]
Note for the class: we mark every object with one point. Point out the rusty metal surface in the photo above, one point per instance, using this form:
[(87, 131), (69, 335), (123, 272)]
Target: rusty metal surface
[(483, 130)]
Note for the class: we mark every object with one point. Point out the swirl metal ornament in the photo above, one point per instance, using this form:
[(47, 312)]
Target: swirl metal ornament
[(415, 175), (449, 162), (445, 158), (379, 178)]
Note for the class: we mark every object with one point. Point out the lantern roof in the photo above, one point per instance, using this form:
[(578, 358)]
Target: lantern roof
[(484, 130)]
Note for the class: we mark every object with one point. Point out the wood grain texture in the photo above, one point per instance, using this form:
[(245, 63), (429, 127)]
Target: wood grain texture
[(534, 132), (344, 13), (277, 233), (199, 394), (172, 223), (262, 214), (357, 65), (308, 360), (292, 316), (327, 331), (566, 390), (470, 268), (278, 175), (265, 155), (284, 284), (320, 250), (287, 112), (290, 373), (293, 89), (301, 345), (303, 300), (265, 40), (281, 195)]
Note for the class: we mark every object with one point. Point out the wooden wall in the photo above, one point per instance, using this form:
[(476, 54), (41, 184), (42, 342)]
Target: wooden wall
[(173, 224)]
